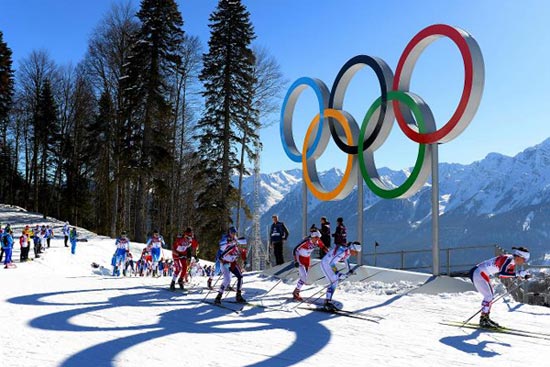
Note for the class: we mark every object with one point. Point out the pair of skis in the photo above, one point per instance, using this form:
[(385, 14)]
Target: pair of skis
[(308, 306), (313, 306), (502, 330)]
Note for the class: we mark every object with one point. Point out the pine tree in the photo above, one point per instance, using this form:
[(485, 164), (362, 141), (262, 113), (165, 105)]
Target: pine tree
[(228, 78), (101, 159), (6, 94), (47, 129), (6, 79), (149, 111)]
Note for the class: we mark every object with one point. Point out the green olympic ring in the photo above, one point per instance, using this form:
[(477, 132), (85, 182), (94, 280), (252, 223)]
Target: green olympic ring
[(421, 171)]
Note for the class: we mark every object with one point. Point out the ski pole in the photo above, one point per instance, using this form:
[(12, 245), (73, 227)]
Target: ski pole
[(305, 300), (361, 280), (210, 290), (492, 302), (230, 288), (281, 279)]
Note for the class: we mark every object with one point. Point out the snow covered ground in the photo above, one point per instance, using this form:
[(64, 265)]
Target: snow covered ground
[(59, 311)]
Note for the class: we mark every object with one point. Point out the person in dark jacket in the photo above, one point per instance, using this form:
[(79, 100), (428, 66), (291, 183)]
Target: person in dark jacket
[(340, 234), (325, 237), (278, 234)]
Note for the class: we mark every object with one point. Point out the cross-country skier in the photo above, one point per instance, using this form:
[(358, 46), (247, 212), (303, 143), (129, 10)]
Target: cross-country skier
[(503, 266), (328, 266), (227, 238), (129, 264), (155, 244), (181, 251), (228, 262), (122, 248), (302, 255)]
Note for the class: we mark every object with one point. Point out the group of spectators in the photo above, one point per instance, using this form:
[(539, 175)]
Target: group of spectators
[(279, 234), (37, 238)]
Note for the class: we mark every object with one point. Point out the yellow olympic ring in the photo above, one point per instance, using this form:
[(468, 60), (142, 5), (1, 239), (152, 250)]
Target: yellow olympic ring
[(308, 164)]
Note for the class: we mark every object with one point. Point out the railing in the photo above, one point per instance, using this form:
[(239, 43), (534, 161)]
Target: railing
[(454, 261), (535, 291)]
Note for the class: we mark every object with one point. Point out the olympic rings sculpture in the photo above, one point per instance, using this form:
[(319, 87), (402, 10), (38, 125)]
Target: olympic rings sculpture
[(413, 116)]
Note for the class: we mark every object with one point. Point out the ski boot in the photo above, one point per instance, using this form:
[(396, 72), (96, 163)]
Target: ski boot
[(239, 298), (218, 299), (296, 295), (209, 283), (180, 283), (173, 285), (329, 306), (486, 322)]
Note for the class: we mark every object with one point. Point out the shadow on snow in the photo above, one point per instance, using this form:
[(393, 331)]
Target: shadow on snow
[(193, 317)]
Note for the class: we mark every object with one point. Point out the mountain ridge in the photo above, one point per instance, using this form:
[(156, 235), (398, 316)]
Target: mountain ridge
[(503, 194)]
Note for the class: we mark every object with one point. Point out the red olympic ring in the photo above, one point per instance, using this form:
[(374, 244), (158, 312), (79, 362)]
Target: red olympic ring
[(473, 83)]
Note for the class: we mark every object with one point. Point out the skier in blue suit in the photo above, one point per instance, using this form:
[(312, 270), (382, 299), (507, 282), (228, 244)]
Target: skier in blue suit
[(122, 248)]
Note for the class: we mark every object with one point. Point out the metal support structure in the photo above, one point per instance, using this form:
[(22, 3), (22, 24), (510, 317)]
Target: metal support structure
[(360, 216), (259, 253), (435, 210), (304, 208)]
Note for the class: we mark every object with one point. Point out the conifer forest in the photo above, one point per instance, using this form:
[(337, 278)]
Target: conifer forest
[(147, 131)]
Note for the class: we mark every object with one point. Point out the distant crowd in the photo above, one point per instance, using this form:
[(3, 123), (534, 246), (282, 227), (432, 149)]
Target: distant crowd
[(37, 238)]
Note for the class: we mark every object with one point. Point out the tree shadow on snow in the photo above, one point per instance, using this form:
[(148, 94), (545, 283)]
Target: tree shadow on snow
[(191, 317), (469, 344)]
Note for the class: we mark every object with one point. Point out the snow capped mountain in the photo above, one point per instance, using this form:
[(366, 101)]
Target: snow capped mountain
[(497, 200)]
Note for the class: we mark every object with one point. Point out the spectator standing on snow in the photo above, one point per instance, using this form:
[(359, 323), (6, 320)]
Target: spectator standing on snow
[(43, 238), (340, 234), (7, 246), (66, 232), (325, 236), (1, 247), (36, 242), (27, 231), (73, 237), (49, 235), (24, 244), (278, 234), (503, 266)]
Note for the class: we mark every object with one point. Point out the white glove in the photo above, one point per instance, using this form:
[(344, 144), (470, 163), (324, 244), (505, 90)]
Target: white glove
[(523, 274)]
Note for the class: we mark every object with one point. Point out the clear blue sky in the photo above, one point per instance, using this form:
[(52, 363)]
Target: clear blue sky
[(316, 37)]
